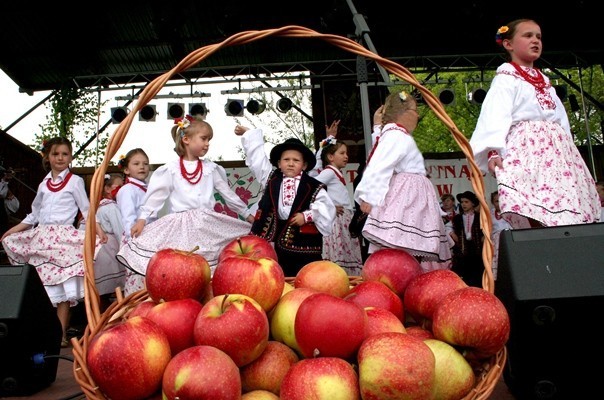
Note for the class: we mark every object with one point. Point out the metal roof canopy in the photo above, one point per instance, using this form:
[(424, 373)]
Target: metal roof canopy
[(127, 43)]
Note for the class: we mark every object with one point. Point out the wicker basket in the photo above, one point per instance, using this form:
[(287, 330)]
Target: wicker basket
[(488, 374)]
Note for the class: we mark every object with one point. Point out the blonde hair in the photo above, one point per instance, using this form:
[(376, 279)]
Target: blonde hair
[(196, 125), (395, 105)]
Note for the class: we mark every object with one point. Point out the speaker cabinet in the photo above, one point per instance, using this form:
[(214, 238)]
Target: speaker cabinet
[(30, 332), (551, 281)]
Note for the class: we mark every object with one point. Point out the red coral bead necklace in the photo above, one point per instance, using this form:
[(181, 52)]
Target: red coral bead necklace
[(56, 187), (191, 177)]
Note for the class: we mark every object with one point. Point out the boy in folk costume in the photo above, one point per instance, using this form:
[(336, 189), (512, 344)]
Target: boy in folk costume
[(295, 211)]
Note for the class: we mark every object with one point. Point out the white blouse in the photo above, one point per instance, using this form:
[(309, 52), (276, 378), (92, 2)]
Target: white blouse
[(510, 100), (109, 217), (129, 199), (322, 209), (396, 152), (59, 208), (167, 183)]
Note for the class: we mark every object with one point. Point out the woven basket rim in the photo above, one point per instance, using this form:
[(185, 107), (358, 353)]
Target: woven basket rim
[(492, 368)]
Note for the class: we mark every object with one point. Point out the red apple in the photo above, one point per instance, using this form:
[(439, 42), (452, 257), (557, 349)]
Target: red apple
[(419, 332), (474, 319), (250, 246), (394, 267), (328, 326), (426, 290), (201, 372), (176, 318), (142, 308), (454, 377), (261, 279), (127, 360), (381, 320), (283, 316), (323, 276), (323, 378), (377, 294), (267, 371), (235, 324), (396, 366), (259, 395), (174, 274)]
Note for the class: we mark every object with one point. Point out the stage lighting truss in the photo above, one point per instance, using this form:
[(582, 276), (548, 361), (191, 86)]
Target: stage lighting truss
[(477, 96), (284, 105), (147, 113), (234, 108), (198, 109), (175, 110), (447, 96), (118, 114), (255, 107)]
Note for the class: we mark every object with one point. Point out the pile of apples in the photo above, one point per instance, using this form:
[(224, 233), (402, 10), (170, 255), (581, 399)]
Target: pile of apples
[(249, 333)]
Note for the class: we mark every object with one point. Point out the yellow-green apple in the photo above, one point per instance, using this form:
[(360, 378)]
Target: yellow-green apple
[(397, 366), (235, 324), (267, 371), (261, 279), (201, 372), (174, 274), (454, 375), (142, 308), (474, 320), (426, 290), (283, 316), (381, 320), (248, 245), (377, 294), (394, 267), (287, 287), (259, 395), (127, 360), (176, 318), (323, 378), (419, 332), (328, 326), (323, 276)]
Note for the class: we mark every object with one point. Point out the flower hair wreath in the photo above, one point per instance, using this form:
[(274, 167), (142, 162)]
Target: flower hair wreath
[(121, 163), (183, 123), (500, 32), (328, 141), (403, 95)]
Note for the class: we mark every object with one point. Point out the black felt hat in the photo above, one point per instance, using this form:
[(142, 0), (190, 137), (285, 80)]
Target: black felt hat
[(468, 195), (293, 144)]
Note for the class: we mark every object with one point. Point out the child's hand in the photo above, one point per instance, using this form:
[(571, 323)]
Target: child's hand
[(297, 219), (377, 116), (240, 130), (250, 219), (339, 210), (332, 130), (101, 234), (366, 207), (137, 228)]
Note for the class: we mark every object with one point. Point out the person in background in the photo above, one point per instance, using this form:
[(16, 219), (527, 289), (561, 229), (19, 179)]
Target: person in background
[(188, 183), (109, 273), (449, 207), (468, 238), (47, 239), (499, 224), (8, 201), (295, 211), (338, 247), (523, 137), (401, 203), (129, 198)]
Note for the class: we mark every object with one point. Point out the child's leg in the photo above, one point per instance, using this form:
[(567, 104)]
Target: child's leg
[(63, 312)]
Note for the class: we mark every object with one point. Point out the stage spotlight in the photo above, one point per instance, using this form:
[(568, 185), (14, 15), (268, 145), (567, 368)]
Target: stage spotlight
[(198, 109), (477, 96), (447, 97), (255, 106), (175, 110), (147, 113), (234, 108), (118, 114), (284, 104), (561, 92)]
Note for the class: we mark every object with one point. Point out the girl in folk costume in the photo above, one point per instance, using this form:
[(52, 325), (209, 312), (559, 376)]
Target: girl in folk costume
[(499, 224), (129, 198), (47, 238), (109, 273), (339, 247), (188, 183), (401, 203), (523, 137), (468, 237), (295, 211)]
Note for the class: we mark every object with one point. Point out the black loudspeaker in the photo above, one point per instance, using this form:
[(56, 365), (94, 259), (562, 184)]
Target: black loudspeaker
[(30, 333), (551, 281)]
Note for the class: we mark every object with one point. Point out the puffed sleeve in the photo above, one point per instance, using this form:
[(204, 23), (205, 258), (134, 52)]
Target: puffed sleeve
[(158, 191), (256, 158), (33, 217), (323, 212)]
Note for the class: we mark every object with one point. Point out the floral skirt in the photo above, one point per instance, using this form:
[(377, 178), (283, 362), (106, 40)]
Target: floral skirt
[(341, 248), (57, 252), (545, 178), (109, 273), (410, 219), (209, 230)]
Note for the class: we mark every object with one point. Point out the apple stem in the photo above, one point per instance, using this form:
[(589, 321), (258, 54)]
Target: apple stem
[(194, 250), (223, 302), (239, 243)]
